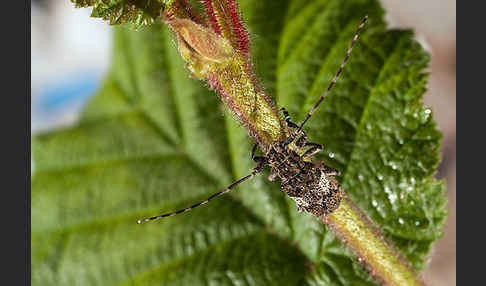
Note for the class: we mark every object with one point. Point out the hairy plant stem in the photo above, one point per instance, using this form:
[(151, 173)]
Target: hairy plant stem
[(359, 234)]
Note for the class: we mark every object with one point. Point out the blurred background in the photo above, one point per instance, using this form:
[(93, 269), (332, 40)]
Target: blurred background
[(71, 53)]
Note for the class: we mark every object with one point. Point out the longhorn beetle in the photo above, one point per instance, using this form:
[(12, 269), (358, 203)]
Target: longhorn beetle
[(311, 185)]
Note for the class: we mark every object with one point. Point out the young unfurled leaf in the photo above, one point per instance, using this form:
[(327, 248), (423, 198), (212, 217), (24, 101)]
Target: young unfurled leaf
[(201, 48), (153, 140)]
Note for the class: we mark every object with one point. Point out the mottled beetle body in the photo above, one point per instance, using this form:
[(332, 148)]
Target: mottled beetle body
[(312, 185)]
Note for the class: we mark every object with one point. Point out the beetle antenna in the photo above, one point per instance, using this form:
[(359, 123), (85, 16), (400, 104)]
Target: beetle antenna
[(336, 76), (255, 171)]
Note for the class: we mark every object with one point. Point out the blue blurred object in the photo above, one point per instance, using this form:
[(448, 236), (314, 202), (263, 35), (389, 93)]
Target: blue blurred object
[(61, 94), (57, 102), (70, 55)]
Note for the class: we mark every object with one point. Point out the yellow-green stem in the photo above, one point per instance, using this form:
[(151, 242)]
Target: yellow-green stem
[(361, 236)]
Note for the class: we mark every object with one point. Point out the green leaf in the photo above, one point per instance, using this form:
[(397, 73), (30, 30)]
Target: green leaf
[(153, 140), (138, 13)]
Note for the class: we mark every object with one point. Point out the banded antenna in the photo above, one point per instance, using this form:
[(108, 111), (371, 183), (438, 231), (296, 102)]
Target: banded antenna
[(336, 76), (255, 171)]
